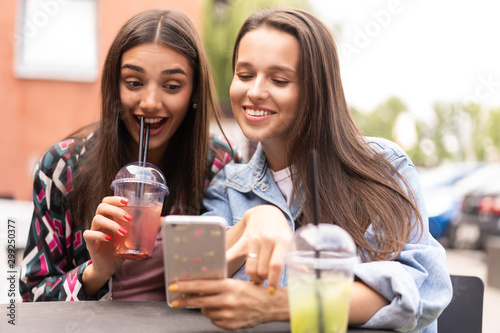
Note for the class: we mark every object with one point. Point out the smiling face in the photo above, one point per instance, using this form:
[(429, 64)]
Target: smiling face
[(265, 88), (156, 83)]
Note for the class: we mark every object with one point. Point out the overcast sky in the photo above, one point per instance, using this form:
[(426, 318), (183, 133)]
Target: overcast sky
[(420, 51)]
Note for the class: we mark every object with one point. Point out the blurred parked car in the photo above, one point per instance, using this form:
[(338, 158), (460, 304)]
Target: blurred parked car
[(441, 198), (479, 215)]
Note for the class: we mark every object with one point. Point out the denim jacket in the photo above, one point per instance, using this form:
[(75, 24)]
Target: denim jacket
[(417, 283)]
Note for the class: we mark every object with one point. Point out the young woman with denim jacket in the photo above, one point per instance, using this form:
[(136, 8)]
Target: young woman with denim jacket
[(287, 94)]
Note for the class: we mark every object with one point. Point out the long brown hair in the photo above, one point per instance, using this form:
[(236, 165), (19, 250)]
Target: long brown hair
[(184, 162), (358, 187)]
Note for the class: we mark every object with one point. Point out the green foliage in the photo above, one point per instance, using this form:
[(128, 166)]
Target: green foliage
[(458, 132), (493, 127), (382, 120)]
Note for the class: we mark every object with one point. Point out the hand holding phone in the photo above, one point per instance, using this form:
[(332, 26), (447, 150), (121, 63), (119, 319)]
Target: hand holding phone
[(193, 248)]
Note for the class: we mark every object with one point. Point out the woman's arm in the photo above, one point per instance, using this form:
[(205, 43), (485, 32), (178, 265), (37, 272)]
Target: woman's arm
[(364, 303), (100, 244), (416, 284), (233, 234), (55, 256), (233, 304)]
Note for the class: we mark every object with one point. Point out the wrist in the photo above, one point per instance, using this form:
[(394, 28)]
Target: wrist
[(234, 233), (92, 281), (279, 309), (364, 303)]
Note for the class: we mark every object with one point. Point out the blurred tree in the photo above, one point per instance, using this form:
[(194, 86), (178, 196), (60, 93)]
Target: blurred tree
[(417, 152), (493, 127), (223, 19), (361, 120), (445, 133), (489, 138), (474, 129), (461, 133), (458, 133), (472, 126), (382, 120)]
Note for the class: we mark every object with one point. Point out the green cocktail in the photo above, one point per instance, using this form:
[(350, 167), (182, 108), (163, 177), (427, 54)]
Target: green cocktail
[(303, 292), (320, 274)]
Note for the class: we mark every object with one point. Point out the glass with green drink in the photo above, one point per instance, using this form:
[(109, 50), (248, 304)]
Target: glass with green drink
[(320, 274)]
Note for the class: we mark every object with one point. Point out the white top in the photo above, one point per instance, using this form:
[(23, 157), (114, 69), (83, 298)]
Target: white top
[(284, 180)]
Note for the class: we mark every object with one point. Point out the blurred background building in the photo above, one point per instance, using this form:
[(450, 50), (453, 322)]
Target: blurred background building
[(39, 111)]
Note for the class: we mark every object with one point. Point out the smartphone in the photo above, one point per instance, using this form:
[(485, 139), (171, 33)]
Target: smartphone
[(194, 247)]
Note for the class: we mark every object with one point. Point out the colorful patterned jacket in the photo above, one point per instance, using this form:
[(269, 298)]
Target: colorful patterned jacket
[(56, 254)]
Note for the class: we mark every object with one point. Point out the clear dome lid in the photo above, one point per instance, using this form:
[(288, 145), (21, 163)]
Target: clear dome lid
[(140, 172), (324, 241)]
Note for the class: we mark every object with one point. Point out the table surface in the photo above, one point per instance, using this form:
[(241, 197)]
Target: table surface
[(94, 316)]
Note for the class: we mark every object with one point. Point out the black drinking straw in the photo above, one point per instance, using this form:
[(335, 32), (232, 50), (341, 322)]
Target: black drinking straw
[(143, 155), (314, 181), (313, 184), (143, 151), (141, 139), (146, 144)]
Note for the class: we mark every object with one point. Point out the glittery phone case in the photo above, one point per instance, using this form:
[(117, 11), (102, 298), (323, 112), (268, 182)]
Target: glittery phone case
[(193, 248)]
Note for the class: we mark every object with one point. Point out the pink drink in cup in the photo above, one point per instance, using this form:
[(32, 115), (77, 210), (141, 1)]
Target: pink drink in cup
[(144, 185)]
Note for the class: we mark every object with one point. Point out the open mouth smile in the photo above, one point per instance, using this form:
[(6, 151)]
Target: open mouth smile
[(257, 112), (153, 122)]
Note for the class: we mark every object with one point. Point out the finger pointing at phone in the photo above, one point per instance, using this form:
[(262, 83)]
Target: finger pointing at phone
[(262, 239)]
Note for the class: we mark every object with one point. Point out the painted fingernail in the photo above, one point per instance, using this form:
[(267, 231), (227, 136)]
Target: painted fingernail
[(271, 290), (173, 287), (127, 216), (108, 237), (175, 304), (122, 231), (124, 201)]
